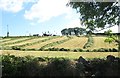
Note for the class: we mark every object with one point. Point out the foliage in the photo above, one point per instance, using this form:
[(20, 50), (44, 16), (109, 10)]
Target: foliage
[(52, 46), (89, 42), (75, 31), (29, 66), (112, 38), (78, 50), (16, 48), (97, 14)]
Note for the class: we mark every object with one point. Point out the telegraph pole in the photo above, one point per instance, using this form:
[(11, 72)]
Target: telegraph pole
[(7, 31)]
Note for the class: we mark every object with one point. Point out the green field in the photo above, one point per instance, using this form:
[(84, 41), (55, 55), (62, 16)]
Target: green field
[(58, 42), (70, 55), (58, 56), (72, 43)]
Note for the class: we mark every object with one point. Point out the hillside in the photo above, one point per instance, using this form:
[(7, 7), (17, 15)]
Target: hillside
[(66, 42)]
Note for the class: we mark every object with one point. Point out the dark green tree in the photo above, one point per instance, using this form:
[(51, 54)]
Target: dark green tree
[(95, 15), (64, 31), (98, 15)]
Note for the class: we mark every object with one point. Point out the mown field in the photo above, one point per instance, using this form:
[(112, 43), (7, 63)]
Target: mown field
[(58, 56), (58, 46), (71, 42)]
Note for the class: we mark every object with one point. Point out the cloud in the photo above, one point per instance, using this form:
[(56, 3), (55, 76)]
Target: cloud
[(44, 10), (32, 24), (13, 5), (74, 23)]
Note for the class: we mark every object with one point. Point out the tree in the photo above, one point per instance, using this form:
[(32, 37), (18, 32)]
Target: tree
[(112, 38), (64, 31), (73, 31), (97, 15)]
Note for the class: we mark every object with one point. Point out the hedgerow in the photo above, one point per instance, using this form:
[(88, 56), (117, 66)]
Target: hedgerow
[(29, 66)]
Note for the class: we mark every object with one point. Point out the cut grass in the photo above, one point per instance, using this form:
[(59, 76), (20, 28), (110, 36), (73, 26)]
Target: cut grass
[(39, 45), (76, 42), (36, 42), (29, 41), (70, 55), (56, 43), (17, 40), (99, 43), (5, 40)]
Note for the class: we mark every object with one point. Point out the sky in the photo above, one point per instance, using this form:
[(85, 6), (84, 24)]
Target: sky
[(25, 17)]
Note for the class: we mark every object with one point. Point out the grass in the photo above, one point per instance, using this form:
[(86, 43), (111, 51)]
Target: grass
[(70, 55), (99, 43), (76, 42), (39, 45), (29, 41), (55, 42), (5, 40), (17, 40)]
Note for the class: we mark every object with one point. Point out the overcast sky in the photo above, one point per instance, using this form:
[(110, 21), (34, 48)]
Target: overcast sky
[(25, 17)]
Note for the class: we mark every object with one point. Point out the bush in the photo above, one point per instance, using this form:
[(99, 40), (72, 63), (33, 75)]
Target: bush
[(75, 50), (41, 49), (101, 50), (115, 50), (63, 49), (60, 67), (89, 42), (53, 49), (78, 50), (16, 48), (107, 50), (53, 67)]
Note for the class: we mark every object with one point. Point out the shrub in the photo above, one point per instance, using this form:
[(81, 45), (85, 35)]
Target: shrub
[(16, 48), (75, 50), (41, 49), (80, 50), (63, 49), (60, 67), (42, 67), (53, 49), (95, 50), (114, 50), (89, 42)]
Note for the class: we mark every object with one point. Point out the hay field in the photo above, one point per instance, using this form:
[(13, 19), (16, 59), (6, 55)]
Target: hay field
[(73, 43), (70, 55), (39, 45), (99, 43), (76, 42), (5, 40), (29, 41), (14, 40)]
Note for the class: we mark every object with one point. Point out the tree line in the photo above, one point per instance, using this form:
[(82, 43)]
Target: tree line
[(73, 31)]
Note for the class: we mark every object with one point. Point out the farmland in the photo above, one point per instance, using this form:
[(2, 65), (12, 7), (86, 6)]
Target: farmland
[(34, 56), (76, 42), (57, 54), (57, 45), (72, 42)]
